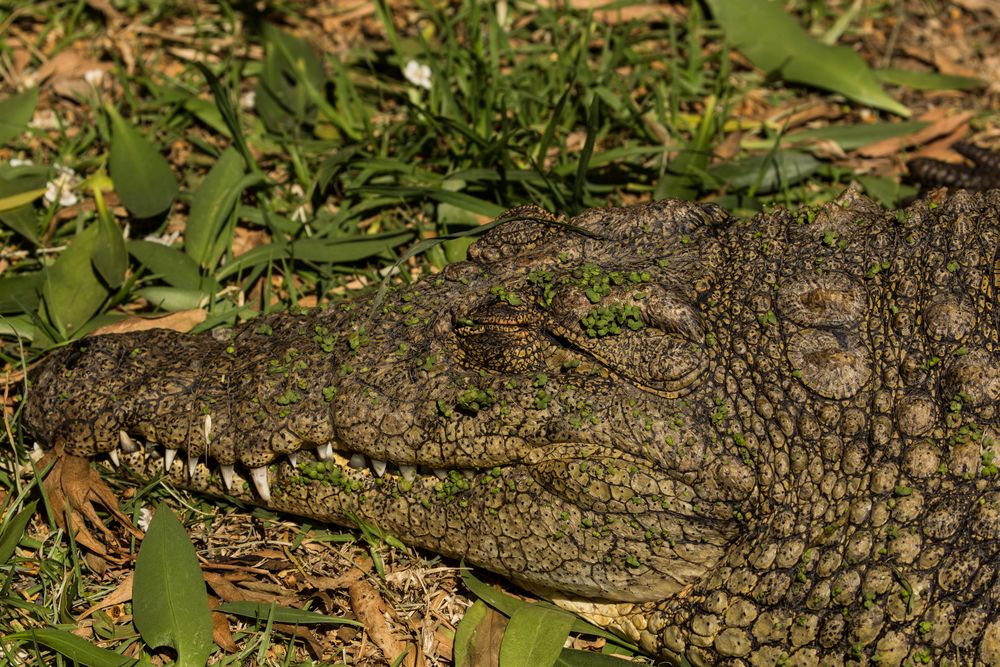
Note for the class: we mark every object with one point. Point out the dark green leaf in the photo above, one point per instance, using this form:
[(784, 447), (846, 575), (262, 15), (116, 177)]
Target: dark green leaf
[(850, 137), (927, 80), (15, 113), (142, 177), (211, 205), (19, 293), (13, 531), (535, 636), (170, 604), (110, 258), (790, 52), (290, 69), (766, 173), (261, 611), (464, 646), (71, 290), (171, 264), (74, 648)]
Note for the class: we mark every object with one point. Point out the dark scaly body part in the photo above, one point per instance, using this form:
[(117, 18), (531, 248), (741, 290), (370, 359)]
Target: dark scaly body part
[(982, 174), (758, 442)]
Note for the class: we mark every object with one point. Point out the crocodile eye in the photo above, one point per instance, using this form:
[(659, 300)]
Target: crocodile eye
[(497, 337), (521, 229)]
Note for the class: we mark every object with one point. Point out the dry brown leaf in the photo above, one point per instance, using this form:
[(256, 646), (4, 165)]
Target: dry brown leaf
[(122, 593), (182, 321), (222, 634), (371, 610), (74, 489), (64, 72), (938, 127), (245, 239), (980, 5), (227, 590)]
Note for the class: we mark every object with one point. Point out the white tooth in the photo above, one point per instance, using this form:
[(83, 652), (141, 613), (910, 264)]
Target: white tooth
[(113, 455), (227, 476), (441, 473), (409, 473), (126, 442), (208, 429), (325, 452), (168, 458), (192, 464), (379, 467), (358, 461), (293, 458), (37, 452), (259, 476)]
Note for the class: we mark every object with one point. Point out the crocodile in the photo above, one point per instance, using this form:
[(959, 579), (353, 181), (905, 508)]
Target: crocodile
[(766, 441)]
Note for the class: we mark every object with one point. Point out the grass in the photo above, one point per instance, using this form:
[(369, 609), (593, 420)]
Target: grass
[(252, 172)]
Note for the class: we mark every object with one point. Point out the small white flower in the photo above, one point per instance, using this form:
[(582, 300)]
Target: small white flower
[(61, 187), (44, 119), (94, 76), (145, 516), (418, 74), (248, 100), (301, 214), (18, 162)]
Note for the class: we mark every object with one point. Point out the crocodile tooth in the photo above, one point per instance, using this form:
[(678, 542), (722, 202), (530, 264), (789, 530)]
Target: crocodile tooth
[(113, 455), (168, 458), (409, 473), (227, 476), (208, 429), (441, 473), (379, 467), (259, 476), (325, 452), (358, 461), (293, 458), (192, 465), (127, 443)]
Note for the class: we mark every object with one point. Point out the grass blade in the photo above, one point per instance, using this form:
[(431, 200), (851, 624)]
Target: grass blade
[(13, 532), (211, 205), (75, 648)]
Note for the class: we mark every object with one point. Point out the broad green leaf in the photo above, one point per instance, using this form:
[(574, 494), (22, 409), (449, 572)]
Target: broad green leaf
[(348, 250), (211, 205), (169, 600), (508, 605), (13, 531), (142, 177), (173, 298), (19, 292), (886, 191), (261, 611), (766, 173), (110, 258), (535, 636), (74, 648), (23, 326), (792, 54), (465, 633), (171, 264), (15, 113), (927, 80), (71, 290)]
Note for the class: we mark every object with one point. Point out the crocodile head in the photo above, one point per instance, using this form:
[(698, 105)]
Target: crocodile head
[(772, 438)]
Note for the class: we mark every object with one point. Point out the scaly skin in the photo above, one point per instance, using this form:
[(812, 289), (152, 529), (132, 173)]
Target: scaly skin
[(781, 453)]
